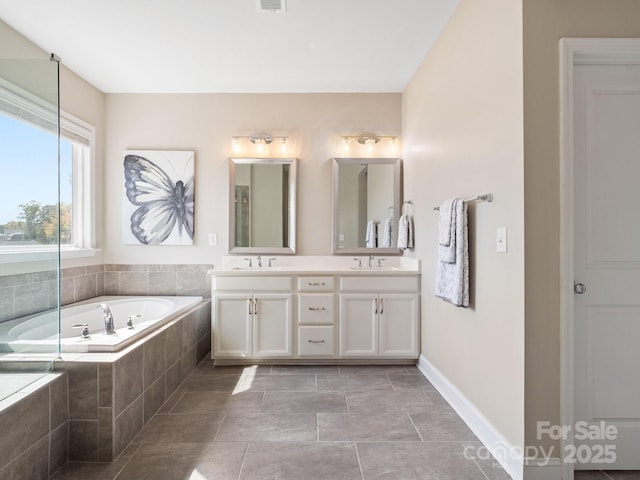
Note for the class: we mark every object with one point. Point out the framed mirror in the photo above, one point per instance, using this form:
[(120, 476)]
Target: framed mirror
[(367, 198), (262, 206)]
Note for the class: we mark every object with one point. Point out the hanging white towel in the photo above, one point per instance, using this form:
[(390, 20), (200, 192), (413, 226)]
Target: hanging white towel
[(387, 233), (447, 231), (452, 278), (446, 227), (371, 237), (405, 232)]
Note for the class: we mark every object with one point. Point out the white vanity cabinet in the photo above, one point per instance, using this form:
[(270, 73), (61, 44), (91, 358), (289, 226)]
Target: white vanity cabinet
[(250, 319), (381, 319), (316, 318)]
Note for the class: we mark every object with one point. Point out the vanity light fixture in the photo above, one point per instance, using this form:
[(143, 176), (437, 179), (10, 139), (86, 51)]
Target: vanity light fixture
[(260, 140), (369, 141)]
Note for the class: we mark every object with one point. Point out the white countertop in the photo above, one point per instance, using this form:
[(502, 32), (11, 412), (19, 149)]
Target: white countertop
[(320, 265)]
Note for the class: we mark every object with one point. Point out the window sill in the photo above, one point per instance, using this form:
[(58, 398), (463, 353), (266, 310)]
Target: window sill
[(44, 254)]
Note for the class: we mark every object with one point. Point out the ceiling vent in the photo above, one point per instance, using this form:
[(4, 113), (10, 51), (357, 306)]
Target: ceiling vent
[(272, 6)]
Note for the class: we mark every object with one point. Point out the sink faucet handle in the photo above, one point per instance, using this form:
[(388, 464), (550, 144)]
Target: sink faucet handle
[(259, 261), (380, 260), (371, 257), (272, 259), (249, 258), (359, 261)]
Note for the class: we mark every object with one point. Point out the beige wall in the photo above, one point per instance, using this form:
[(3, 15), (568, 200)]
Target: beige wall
[(545, 23), (463, 136), (206, 123)]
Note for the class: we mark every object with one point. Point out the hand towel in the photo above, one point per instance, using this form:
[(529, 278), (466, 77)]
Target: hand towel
[(387, 233), (370, 239), (452, 278), (405, 232)]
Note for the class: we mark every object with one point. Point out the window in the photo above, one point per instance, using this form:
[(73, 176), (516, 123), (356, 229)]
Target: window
[(28, 183)]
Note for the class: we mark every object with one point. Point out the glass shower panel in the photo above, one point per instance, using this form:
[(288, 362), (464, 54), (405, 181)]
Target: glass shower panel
[(30, 220)]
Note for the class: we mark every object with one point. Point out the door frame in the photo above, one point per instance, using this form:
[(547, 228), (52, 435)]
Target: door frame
[(585, 50)]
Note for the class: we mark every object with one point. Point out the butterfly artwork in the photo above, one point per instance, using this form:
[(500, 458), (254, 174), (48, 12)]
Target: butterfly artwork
[(159, 207)]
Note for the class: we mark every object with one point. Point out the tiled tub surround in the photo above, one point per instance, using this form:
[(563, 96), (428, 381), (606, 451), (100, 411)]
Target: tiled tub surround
[(34, 425), (113, 395), (28, 293)]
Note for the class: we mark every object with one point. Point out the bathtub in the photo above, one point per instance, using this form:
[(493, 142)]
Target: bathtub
[(38, 334)]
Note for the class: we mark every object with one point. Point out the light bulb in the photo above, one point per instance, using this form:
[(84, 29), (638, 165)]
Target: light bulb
[(346, 144), (369, 144), (260, 143), (283, 145), (235, 144), (395, 145)]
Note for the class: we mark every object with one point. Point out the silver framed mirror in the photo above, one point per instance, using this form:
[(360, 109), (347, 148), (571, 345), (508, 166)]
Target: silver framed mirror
[(367, 198), (262, 206)]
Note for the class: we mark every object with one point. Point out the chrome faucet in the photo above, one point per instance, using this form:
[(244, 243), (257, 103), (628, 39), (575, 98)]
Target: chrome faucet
[(259, 261), (109, 328), (370, 260)]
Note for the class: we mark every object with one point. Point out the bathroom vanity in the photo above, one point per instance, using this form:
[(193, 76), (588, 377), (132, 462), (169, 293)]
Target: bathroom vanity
[(321, 310)]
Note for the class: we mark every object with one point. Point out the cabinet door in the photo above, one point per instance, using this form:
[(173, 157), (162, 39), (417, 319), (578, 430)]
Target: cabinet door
[(272, 325), (231, 325), (399, 325), (358, 325)]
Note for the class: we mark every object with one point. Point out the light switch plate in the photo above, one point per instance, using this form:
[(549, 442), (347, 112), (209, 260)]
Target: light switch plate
[(213, 239), (501, 239)]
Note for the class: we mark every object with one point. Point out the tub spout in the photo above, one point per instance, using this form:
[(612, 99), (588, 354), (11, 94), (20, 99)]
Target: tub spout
[(109, 328)]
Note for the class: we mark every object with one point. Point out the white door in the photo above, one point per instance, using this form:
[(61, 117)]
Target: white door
[(272, 325), (358, 325), (231, 325), (607, 266), (399, 325)]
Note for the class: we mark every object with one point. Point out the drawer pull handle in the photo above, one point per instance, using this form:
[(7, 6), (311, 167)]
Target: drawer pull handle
[(317, 309), (316, 341), (316, 284)]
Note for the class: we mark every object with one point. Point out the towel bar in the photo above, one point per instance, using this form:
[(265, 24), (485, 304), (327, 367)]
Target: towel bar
[(487, 197)]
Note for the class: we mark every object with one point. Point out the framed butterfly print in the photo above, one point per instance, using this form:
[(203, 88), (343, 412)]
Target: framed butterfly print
[(159, 197)]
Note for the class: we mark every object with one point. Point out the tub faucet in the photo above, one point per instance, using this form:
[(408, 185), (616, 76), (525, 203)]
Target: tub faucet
[(109, 328)]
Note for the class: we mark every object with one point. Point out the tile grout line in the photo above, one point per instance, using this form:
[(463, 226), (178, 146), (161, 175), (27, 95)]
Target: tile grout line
[(219, 427), (244, 459), (355, 445), (474, 460), (414, 426)]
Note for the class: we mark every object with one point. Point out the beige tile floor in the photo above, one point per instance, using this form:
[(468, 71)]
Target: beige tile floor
[(299, 423)]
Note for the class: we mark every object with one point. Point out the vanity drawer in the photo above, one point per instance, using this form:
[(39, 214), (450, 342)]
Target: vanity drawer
[(240, 283), (315, 341), (380, 284), (315, 308), (315, 284)]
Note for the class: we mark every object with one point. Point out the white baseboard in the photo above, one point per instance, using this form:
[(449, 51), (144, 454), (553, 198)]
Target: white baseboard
[(547, 469), (509, 456)]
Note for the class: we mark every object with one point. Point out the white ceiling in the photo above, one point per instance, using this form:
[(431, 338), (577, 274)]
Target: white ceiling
[(230, 46)]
